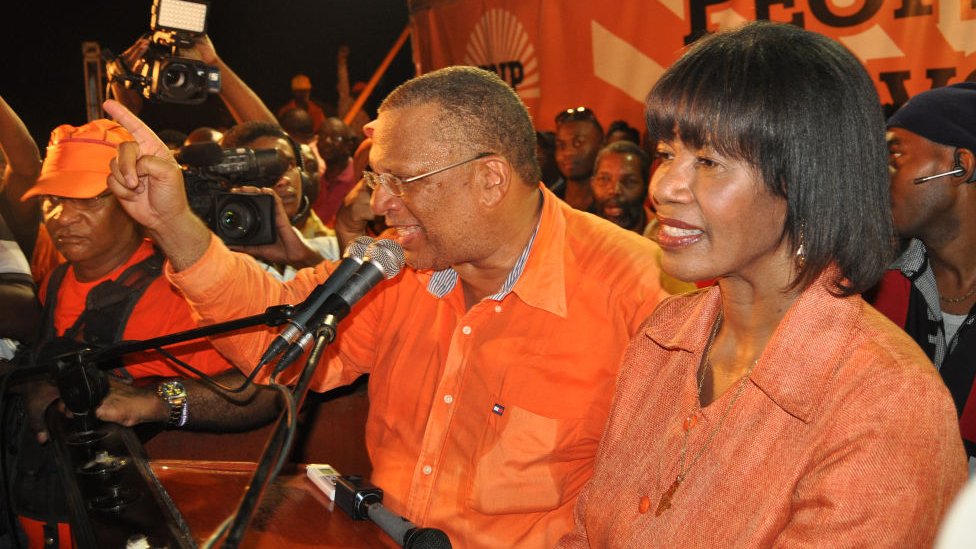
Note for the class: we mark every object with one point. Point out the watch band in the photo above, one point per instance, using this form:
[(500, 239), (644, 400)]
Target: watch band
[(174, 394)]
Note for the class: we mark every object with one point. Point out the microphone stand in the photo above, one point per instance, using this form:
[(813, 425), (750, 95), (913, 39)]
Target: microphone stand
[(272, 316), (279, 444)]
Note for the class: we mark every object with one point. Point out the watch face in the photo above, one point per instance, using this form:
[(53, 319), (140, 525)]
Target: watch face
[(171, 389), (174, 393)]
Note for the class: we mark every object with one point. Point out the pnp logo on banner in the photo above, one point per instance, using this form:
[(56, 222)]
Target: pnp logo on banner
[(500, 43)]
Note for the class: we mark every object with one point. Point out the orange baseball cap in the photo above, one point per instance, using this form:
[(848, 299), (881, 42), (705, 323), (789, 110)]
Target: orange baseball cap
[(77, 160), (301, 82)]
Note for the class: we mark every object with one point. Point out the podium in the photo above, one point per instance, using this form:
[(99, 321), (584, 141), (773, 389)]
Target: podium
[(294, 512)]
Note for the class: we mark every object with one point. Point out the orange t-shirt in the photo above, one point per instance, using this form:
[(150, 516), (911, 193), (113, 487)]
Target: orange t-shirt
[(160, 311), (483, 422)]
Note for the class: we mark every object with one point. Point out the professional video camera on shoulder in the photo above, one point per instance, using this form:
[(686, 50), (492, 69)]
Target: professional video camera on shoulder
[(161, 74), (237, 218)]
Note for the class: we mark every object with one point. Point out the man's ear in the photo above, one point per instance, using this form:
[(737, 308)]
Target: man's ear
[(495, 178), (965, 159)]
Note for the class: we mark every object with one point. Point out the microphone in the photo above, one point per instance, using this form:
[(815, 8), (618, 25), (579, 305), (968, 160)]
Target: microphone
[(303, 312), (256, 166), (383, 260), (404, 532), (200, 154), (957, 171), (362, 500)]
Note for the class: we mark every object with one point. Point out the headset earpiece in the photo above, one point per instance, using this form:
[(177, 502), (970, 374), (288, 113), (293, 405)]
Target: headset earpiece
[(957, 168), (310, 189)]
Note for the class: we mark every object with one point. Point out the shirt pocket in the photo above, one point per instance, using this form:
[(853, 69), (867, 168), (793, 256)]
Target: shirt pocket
[(522, 464)]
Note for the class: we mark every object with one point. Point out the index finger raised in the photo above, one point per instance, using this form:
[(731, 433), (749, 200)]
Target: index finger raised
[(149, 142)]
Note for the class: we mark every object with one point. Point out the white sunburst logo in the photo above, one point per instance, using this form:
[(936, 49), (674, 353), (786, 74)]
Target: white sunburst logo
[(499, 43)]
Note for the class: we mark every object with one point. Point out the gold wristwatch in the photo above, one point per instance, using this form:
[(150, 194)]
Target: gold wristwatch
[(174, 394)]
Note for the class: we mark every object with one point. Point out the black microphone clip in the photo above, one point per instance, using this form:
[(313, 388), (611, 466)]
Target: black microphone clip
[(304, 311), (332, 301)]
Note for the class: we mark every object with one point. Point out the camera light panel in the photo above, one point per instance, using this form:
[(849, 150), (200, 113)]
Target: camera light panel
[(180, 15)]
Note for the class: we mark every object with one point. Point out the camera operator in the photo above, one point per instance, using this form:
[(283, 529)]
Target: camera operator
[(242, 103), (294, 192)]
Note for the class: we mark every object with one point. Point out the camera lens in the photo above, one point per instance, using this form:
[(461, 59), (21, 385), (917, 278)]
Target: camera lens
[(175, 77), (240, 218), (237, 220), (180, 81)]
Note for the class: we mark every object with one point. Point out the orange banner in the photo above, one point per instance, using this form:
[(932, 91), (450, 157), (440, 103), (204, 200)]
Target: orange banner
[(607, 54)]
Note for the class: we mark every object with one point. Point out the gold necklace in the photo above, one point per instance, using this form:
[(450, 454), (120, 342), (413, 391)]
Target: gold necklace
[(665, 503), (968, 295)]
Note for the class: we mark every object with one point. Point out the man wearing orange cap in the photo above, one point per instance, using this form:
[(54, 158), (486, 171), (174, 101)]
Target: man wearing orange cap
[(109, 290), (301, 90)]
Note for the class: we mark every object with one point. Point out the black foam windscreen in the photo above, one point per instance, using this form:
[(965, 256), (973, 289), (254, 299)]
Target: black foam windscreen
[(200, 154)]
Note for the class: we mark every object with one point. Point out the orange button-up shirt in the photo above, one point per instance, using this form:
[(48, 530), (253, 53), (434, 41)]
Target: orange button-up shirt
[(483, 422), (843, 436)]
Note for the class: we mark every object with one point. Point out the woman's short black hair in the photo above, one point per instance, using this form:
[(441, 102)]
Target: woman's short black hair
[(802, 110)]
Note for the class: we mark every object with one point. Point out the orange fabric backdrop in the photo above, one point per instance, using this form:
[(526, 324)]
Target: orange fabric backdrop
[(607, 54)]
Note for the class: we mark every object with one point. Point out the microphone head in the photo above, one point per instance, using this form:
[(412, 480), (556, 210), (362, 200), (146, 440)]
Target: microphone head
[(359, 246), (200, 154), (388, 255), (426, 538)]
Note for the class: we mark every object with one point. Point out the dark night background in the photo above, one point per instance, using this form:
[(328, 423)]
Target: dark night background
[(265, 41)]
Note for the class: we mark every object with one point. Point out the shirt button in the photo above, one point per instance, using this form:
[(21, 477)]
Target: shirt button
[(428, 469), (466, 330), (448, 399), (498, 308)]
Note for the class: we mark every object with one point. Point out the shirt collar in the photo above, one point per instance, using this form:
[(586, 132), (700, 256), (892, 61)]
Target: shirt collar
[(443, 281), (538, 276), (913, 260), (793, 371)]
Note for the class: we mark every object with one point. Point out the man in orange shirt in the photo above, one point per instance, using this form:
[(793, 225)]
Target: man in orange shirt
[(109, 290), (492, 359)]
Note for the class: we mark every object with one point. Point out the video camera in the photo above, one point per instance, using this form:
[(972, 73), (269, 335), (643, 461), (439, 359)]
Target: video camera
[(237, 218), (160, 74)]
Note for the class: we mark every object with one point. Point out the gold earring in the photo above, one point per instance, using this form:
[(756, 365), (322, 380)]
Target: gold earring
[(801, 251)]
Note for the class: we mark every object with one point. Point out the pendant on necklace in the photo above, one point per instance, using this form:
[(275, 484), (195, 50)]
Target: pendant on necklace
[(665, 502)]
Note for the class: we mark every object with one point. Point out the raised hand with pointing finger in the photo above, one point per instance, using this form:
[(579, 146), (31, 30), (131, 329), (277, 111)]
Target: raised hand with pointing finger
[(149, 185)]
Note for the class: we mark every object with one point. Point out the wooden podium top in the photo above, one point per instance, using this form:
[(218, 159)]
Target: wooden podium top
[(293, 512)]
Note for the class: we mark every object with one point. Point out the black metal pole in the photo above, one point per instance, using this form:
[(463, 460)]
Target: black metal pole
[(265, 472)]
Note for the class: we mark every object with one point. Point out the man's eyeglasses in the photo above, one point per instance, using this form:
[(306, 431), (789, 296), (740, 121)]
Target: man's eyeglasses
[(395, 185), (579, 113), (50, 202)]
